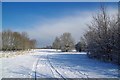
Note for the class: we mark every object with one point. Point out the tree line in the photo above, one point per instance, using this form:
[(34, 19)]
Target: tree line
[(65, 42), (102, 40), (16, 41)]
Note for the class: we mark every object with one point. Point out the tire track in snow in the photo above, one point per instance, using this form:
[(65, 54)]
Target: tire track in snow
[(34, 68), (55, 69), (50, 65), (76, 71)]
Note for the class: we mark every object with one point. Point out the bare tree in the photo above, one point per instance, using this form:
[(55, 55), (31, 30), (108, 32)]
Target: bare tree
[(103, 37), (32, 43), (56, 43), (67, 42), (16, 41), (81, 45)]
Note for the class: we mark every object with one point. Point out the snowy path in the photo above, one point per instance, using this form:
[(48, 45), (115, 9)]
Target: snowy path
[(44, 66), (52, 64)]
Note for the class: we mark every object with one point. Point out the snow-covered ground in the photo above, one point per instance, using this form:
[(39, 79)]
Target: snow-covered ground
[(49, 63)]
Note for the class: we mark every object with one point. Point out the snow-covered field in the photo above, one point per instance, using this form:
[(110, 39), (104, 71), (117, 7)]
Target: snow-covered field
[(49, 63)]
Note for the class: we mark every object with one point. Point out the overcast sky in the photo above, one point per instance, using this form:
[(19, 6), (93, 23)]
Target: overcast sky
[(45, 21)]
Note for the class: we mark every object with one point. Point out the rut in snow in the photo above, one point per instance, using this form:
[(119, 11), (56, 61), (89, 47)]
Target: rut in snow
[(36, 63), (55, 69), (34, 68), (75, 71)]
